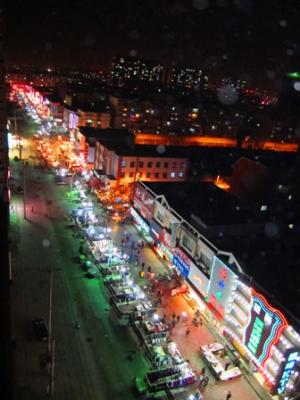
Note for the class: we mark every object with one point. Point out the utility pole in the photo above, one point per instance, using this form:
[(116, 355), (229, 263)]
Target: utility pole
[(51, 342), (24, 192)]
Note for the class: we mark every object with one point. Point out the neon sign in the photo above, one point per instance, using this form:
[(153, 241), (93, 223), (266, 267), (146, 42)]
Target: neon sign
[(264, 327), (256, 335), (287, 371)]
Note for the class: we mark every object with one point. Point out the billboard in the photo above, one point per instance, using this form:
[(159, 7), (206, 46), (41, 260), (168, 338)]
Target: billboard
[(221, 286), (263, 328), (198, 279), (143, 201)]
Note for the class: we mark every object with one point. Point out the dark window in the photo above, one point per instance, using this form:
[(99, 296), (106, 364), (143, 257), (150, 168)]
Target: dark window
[(174, 164), (141, 164), (158, 164), (148, 175), (130, 174), (165, 175), (123, 175), (132, 164), (166, 164), (149, 165), (156, 175)]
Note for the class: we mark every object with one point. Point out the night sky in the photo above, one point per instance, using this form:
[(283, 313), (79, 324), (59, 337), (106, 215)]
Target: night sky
[(259, 38)]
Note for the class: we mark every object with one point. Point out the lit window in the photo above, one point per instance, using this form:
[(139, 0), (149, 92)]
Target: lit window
[(172, 174), (263, 208), (123, 163)]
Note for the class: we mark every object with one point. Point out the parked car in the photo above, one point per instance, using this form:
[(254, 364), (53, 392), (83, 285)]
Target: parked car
[(40, 329)]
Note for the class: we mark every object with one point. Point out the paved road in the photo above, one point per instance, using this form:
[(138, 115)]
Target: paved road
[(91, 362)]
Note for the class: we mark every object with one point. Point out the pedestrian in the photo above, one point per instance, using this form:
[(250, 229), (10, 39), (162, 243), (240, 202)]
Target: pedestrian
[(163, 320), (203, 371), (187, 332), (229, 395), (143, 266), (173, 315), (149, 269), (226, 366), (178, 318), (205, 381)]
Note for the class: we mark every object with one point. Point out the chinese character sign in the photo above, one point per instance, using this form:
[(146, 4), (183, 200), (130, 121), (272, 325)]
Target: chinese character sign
[(144, 202), (263, 328), (286, 370), (181, 262)]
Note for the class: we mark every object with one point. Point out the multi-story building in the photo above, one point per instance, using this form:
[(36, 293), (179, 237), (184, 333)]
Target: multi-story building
[(155, 115), (126, 70), (94, 115), (125, 165), (186, 77)]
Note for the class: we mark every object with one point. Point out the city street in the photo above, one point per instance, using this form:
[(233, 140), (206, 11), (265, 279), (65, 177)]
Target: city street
[(93, 348)]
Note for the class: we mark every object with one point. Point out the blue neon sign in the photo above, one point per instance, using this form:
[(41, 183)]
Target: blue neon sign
[(287, 371)]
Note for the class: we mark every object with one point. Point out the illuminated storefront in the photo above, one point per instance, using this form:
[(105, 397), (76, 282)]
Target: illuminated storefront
[(141, 225)]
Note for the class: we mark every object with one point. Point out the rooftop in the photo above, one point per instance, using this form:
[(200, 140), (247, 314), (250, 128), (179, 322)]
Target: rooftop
[(272, 259), (206, 201)]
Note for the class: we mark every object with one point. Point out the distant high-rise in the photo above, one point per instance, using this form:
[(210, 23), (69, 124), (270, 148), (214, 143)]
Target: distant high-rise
[(125, 70), (185, 77)]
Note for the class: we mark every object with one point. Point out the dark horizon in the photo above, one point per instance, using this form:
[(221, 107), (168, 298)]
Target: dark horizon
[(238, 38)]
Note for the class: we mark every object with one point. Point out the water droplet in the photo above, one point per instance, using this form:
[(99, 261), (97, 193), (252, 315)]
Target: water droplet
[(283, 23), (228, 95), (160, 148), (46, 243), (133, 53), (297, 86), (200, 4)]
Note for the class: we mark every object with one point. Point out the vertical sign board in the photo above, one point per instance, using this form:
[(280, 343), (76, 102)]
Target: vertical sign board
[(286, 369), (181, 262), (144, 201), (263, 329), (221, 286)]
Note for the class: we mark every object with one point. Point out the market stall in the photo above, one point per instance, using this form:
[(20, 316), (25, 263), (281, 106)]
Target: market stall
[(215, 356)]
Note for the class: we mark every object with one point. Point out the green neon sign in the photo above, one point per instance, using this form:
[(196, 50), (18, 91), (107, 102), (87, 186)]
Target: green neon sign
[(295, 75), (256, 335)]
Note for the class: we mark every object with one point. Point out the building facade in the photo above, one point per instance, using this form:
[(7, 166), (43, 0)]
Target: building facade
[(264, 337)]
